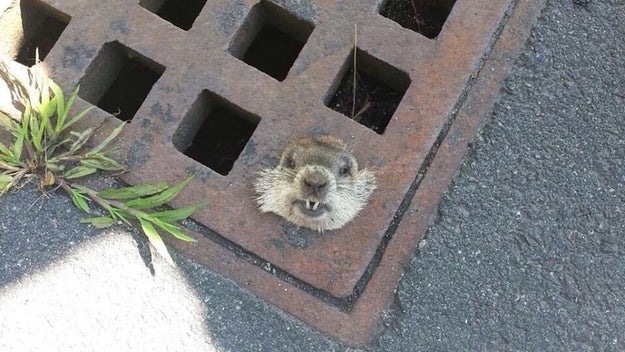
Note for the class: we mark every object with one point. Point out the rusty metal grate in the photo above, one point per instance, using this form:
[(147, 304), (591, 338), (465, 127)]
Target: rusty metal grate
[(270, 39), (39, 26), (221, 92), (180, 14), (426, 17), (379, 90), (214, 132), (118, 80)]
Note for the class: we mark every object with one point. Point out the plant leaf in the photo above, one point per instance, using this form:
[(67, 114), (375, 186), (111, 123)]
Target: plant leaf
[(5, 182), (79, 200), (155, 239), (174, 230), (5, 153), (133, 191), (51, 114), (101, 162), (61, 118), (76, 118), (81, 140), (35, 138), (106, 141), (45, 105), (18, 143), (52, 166), (99, 222), (79, 171), (60, 106), (10, 166), (177, 214), (160, 198), (119, 215), (6, 122)]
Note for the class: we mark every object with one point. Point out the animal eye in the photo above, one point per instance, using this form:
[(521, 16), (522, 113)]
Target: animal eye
[(289, 163), (344, 170)]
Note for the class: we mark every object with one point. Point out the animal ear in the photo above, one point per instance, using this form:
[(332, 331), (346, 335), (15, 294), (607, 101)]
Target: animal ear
[(289, 162), (332, 141), (286, 159), (347, 165)]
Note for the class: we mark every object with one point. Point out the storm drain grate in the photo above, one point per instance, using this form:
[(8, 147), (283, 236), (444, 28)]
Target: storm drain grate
[(423, 16), (118, 80), (214, 132), (220, 93), (35, 25), (270, 39), (182, 14), (371, 94)]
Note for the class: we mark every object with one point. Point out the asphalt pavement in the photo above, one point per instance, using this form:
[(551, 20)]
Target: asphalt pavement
[(527, 253)]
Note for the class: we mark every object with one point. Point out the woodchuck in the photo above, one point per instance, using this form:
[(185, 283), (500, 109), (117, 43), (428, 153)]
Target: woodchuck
[(317, 184)]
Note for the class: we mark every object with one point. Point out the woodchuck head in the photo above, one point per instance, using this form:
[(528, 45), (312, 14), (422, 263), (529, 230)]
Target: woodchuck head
[(317, 184)]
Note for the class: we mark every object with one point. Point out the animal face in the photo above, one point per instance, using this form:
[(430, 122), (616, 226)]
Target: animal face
[(317, 184)]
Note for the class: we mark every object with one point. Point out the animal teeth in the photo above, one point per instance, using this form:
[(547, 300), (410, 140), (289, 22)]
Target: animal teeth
[(312, 205)]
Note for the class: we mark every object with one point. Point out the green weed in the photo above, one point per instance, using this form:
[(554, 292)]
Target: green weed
[(45, 148)]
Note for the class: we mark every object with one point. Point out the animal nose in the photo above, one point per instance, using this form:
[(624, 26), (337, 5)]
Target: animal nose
[(316, 181)]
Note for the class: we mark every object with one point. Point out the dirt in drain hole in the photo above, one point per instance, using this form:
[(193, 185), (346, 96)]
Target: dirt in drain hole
[(423, 16), (375, 101)]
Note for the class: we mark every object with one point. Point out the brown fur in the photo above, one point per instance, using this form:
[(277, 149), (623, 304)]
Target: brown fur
[(317, 184)]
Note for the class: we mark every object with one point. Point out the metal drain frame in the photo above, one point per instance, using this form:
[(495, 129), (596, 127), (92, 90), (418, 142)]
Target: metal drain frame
[(439, 121)]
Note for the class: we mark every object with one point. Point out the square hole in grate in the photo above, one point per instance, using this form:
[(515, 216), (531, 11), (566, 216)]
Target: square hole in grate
[(379, 89), (214, 132), (423, 16), (270, 39), (182, 14), (119, 79), (30, 26)]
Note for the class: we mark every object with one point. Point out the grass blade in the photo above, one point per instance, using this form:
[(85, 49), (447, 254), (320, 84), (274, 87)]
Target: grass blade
[(155, 239), (108, 140), (79, 200), (18, 143), (101, 162), (5, 153), (81, 140), (174, 231), (160, 198), (79, 171), (76, 119), (60, 106), (99, 222), (9, 165), (35, 139), (6, 122), (133, 191), (177, 214), (119, 215), (60, 126), (5, 182)]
